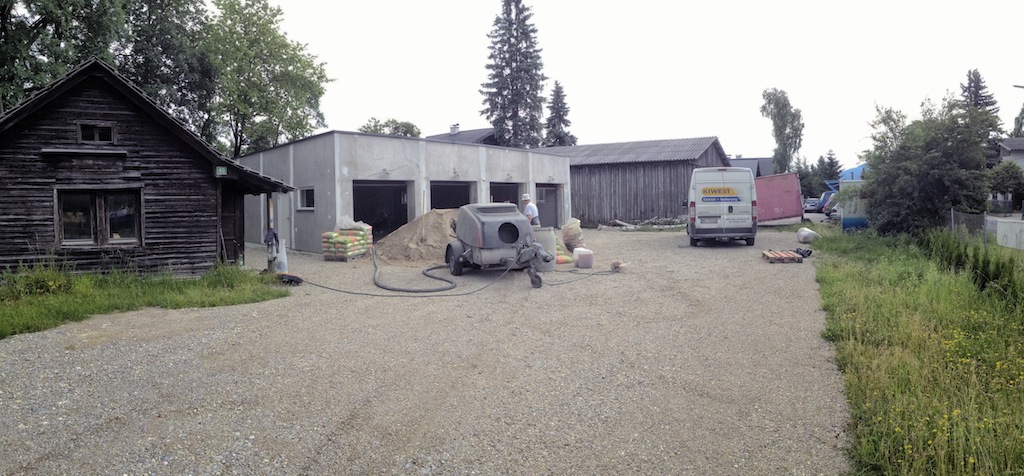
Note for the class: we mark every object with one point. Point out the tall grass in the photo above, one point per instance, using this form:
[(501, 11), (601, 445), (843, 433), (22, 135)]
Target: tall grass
[(933, 362), (46, 296)]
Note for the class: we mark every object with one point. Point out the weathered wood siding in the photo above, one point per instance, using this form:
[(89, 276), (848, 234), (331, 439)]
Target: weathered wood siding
[(634, 191), (179, 193)]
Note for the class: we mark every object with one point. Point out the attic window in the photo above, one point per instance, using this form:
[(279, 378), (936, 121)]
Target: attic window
[(93, 133)]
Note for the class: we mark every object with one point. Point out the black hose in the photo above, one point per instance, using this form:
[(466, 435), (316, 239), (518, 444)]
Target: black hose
[(416, 293), (426, 272)]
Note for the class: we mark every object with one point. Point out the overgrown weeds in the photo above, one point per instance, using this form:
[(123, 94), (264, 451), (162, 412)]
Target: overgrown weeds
[(931, 352), (47, 295)]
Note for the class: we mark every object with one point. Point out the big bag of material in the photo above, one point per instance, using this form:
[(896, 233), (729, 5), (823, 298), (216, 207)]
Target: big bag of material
[(806, 235), (572, 234)]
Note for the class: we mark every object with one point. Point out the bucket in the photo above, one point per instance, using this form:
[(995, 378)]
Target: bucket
[(583, 258), (545, 235)]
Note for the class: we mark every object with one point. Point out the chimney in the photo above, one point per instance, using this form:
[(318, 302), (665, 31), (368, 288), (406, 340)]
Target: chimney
[(454, 130)]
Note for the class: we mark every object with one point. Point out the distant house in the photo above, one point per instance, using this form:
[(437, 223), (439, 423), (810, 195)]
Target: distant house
[(96, 175), (473, 136), (1012, 149), (760, 166), (634, 181)]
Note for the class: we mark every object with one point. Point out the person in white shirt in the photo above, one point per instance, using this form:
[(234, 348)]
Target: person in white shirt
[(530, 210)]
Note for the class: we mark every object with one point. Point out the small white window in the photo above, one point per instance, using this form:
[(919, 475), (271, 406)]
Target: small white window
[(306, 199)]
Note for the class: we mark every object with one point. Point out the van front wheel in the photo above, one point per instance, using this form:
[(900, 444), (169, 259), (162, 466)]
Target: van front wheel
[(750, 242)]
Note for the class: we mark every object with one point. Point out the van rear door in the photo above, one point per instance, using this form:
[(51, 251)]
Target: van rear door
[(724, 199)]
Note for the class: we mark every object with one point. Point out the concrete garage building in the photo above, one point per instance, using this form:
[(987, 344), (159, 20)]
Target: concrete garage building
[(387, 181)]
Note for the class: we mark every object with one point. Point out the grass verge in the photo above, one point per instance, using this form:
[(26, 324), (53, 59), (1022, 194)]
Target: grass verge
[(47, 296), (933, 365)]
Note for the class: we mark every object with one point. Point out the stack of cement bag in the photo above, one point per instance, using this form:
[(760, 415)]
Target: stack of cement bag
[(347, 243)]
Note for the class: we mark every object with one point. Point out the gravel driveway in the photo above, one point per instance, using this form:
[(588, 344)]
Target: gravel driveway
[(701, 360)]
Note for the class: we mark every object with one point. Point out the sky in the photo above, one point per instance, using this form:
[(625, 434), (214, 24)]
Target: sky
[(656, 69)]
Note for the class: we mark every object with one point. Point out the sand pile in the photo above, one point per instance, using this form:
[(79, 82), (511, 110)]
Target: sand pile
[(423, 239)]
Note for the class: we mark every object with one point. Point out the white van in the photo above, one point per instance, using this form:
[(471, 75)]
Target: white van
[(723, 205)]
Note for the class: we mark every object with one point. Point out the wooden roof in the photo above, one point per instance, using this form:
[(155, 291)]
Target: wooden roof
[(248, 179), (663, 150)]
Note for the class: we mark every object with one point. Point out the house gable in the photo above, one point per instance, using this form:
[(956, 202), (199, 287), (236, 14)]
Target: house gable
[(97, 177)]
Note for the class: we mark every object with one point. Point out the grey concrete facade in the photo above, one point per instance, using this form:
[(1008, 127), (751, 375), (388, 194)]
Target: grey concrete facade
[(328, 165)]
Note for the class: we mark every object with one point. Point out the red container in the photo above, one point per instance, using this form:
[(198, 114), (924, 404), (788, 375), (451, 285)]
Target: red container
[(778, 197)]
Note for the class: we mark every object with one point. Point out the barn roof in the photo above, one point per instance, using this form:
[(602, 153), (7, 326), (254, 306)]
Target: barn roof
[(249, 179), (663, 150)]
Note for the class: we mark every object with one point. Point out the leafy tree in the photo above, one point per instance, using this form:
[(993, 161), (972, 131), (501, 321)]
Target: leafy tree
[(1018, 124), (787, 127), (513, 93), (390, 127), (161, 53), (558, 120), (41, 39), (1007, 177), (922, 169), (269, 88)]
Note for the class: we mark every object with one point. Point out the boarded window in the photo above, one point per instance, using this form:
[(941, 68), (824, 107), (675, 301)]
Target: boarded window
[(105, 217)]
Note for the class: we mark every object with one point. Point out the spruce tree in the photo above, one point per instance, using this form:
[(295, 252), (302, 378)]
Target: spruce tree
[(558, 120), (975, 95), (829, 167), (513, 93)]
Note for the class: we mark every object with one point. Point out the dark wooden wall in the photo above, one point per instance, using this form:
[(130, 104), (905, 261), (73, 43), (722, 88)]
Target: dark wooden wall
[(634, 191), (179, 192)]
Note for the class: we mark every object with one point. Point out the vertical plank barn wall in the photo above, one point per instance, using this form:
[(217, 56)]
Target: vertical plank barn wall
[(634, 191)]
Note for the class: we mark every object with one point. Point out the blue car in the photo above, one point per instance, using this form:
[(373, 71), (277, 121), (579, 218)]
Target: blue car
[(823, 201)]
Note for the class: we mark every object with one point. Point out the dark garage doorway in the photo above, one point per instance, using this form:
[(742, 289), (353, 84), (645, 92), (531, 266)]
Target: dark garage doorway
[(505, 192), (548, 202), (380, 204), (450, 194)]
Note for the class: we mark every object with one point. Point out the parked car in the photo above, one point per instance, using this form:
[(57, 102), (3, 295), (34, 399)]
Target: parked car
[(830, 206), (823, 202), (810, 204)]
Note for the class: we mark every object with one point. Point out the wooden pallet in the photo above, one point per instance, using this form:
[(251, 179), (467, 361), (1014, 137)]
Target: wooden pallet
[(782, 256)]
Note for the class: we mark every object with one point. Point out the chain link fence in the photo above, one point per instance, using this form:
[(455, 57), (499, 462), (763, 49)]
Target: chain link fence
[(1006, 231), (969, 223)]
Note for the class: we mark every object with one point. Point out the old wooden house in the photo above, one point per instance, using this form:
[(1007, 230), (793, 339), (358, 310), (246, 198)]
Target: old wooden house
[(633, 181), (93, 174)]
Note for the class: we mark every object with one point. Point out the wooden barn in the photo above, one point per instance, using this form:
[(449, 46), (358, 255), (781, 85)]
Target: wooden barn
[(95, 175), (633, 181)]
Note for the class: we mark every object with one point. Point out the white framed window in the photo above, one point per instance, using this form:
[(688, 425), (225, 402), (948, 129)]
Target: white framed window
[(307, 199), (99, 217)]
